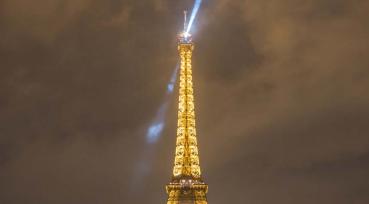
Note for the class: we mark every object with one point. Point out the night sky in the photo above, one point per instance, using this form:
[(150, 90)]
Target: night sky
[(281, 93)]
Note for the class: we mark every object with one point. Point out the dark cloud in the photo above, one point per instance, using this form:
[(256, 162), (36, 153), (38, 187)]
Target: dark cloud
[(281, 95)]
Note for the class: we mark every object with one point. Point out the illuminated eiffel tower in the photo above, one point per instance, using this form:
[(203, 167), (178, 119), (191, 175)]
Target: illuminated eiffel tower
[(186, 186)]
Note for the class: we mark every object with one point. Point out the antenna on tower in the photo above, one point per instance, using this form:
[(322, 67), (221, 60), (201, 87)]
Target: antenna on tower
[(185, 20)]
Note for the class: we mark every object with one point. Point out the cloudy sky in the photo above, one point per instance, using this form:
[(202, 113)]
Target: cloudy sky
[(281, 90)]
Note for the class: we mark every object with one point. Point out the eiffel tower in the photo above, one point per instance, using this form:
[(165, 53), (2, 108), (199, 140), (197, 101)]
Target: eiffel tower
[(186, 186)]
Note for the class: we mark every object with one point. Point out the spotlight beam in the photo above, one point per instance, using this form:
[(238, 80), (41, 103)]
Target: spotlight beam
[(195, 9), (157, 125)]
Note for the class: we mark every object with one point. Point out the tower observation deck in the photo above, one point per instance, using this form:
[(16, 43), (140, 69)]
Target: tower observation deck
[(186, 186)]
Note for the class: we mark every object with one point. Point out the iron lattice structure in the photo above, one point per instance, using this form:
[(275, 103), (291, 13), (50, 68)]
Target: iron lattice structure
[(186, 186)]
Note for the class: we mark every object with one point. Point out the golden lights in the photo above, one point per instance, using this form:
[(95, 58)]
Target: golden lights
[(187, 157), (186, 186)]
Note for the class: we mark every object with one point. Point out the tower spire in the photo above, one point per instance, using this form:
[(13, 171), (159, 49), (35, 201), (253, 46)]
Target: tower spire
[(186, 186), (185, 21)]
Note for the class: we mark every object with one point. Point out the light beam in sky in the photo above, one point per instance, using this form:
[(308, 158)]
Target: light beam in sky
[(157, 125), (195, 9)]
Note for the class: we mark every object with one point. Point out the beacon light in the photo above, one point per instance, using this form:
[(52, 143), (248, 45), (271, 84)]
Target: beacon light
[(195, 9)]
